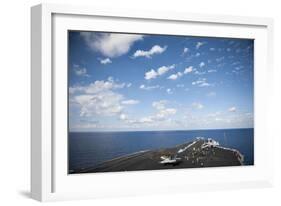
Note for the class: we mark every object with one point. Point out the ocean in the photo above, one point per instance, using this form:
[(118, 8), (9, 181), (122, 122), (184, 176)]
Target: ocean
[(88, 149)]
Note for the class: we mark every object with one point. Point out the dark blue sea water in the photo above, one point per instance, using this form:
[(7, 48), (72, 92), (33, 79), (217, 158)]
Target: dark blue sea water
[(87, 149)]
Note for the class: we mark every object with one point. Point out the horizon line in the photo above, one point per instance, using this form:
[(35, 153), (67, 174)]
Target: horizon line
[(162, 130)]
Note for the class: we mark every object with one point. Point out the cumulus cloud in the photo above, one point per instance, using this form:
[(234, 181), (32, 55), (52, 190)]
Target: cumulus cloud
[(159, 104), (202, 64), (80, 71), (110, 44), (179, 74), (162, 111), (156, 49), (169, 91), (219, 59), (105, 61), (164, 69), (130, 102), (232, 109), (123, 117), (188, 70), (144, 87), (103, 103), (175, 76), (199, 44), (185, 50), (201, 82), (165, 112), (152, 74), (204, 84), (161, 115), (101, 86), (99, 98)]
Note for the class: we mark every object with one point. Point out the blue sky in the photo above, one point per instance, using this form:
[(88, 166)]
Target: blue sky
[(128, 82)]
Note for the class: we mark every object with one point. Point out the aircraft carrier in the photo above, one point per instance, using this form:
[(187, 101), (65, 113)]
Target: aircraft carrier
[(199, 153)]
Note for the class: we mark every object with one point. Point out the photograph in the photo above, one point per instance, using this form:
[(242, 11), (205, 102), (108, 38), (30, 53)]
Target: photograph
[(141, 102)]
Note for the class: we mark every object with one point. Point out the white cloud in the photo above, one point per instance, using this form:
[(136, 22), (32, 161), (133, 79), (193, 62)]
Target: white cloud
[(149, 87), (169, 91), (197, 105), (110, 44), (152, 74), (188, 70), (201, 82), (130, 102), (185, 50), (199, 44), (123, 117), (202, 64), (212, 49), (162, 110), (162, 115), (239, 67), (159, 104), (75, 89), (212, 70), (80, 71), (105, 61), (100, 86), (197, 54), (156, 49), (165, 112), (204, 84), (219, 59), (104, 103), (145, 120), (175, 76), (232, 109), (164, 69), (98, 98)]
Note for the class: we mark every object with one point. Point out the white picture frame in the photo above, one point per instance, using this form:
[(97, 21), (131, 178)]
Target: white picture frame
[(49, 179)]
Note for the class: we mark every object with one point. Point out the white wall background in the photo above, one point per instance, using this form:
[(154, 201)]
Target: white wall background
[(15, 95)]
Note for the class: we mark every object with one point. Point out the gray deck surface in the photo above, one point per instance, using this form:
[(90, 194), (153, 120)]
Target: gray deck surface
[(193, 157)]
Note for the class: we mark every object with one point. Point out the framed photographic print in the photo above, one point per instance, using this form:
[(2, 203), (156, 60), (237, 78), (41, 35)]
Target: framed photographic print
[(120, 99)]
